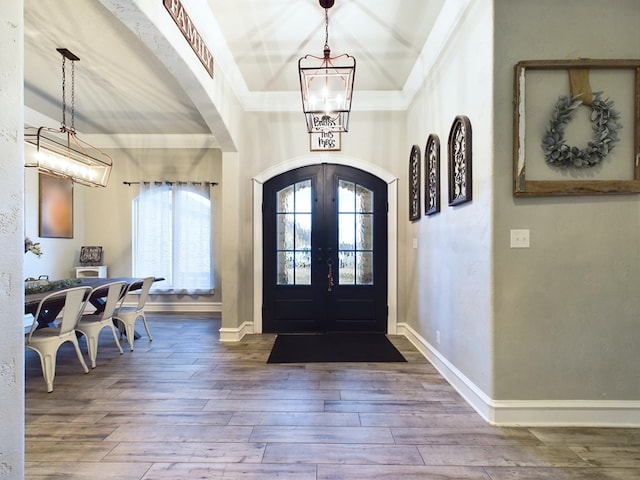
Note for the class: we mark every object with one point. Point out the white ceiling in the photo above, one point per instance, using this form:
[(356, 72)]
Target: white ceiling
[(267, 38), (121, 88)]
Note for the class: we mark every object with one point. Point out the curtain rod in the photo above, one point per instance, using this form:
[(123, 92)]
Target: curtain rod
[(213, 184)]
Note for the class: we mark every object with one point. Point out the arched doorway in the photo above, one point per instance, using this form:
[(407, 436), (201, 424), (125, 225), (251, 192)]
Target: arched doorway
[(325, 251)]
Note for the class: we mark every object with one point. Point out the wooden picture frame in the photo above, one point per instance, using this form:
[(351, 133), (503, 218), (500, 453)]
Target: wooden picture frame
[(414, 183), (90, 255), (432, 175), (459, 156), (56, 207), (325, 141), (538, 84)]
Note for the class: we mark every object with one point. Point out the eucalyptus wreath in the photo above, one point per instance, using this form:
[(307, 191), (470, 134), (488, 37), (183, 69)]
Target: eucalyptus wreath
[(605, 122)]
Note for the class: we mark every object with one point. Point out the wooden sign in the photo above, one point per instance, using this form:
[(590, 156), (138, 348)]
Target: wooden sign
[(324, 141), (188, 29)]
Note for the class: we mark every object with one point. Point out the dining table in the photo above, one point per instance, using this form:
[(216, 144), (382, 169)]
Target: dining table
[(53, 309)]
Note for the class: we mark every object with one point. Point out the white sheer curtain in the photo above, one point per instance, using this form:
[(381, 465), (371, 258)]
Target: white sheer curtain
[(172, 236)]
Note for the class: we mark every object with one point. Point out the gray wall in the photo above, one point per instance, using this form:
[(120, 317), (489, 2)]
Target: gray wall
[(566, 310)]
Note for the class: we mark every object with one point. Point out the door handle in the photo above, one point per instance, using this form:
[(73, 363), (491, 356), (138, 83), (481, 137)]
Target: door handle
[(330, 274)]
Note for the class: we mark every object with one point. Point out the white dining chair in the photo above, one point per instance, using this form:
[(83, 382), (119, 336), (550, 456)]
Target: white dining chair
[(127, 316), (91, 324), (46, 341)]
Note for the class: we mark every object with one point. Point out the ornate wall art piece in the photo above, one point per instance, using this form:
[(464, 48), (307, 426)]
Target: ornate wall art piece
[(432, 175), (414, 183), (576, 127), (459, 161)]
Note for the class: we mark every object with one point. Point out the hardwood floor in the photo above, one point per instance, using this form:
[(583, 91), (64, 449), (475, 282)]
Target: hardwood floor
[(188, 407)]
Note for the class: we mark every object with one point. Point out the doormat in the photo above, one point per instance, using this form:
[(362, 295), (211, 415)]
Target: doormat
[(334, 347)]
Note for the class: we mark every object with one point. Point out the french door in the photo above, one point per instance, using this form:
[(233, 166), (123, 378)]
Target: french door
[(325, 251)]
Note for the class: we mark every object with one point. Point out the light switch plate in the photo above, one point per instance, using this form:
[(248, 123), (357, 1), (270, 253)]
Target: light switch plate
[(520, 239)]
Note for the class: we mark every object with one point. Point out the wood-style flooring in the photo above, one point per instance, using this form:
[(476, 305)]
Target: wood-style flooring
[(186, 406)]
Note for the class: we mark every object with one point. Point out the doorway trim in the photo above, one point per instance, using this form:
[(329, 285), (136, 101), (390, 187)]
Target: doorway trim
[(392, 227)]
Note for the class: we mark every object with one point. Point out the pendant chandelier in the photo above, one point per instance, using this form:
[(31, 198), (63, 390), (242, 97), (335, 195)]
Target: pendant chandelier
[(326, 84), (59, 152)]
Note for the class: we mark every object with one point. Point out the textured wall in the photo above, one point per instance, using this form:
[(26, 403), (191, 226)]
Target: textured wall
[(448, 275), (11, 241), (566, 310)]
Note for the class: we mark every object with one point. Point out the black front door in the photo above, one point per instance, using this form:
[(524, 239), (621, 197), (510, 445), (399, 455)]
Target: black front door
[(325, 251)]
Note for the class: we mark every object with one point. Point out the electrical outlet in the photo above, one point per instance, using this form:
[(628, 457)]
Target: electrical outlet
[(520, 239), (415, 243), (438, 337)]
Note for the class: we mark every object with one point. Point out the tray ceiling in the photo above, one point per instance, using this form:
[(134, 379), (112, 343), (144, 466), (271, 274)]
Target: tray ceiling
[(122, 88)]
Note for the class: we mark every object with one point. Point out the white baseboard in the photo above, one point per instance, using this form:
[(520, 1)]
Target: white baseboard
[(236, 334), (565, 413), (179, 307)]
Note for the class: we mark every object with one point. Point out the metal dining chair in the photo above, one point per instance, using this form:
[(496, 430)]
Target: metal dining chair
[(127, 316), (91, 324), (46, 341)]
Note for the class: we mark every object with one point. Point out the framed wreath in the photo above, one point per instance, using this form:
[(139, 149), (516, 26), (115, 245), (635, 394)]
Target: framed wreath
[(414, 183), (570, 139), (606, 124), (459, 161), (432, 175)]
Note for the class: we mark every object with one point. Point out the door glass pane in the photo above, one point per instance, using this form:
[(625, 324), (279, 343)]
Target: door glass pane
[(285, 268), (364, 268), (303, 231), (284, 231), (346, 268), (346, 196), (355, 234), (364, 231), (346, 231), (285, 200), (364, 199), (303, 268), (293, 230), (303, 197)]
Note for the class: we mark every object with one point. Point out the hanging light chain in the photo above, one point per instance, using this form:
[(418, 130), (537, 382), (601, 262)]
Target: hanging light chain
[(64, 93), (326, 28), (327, 50), (73, 95)]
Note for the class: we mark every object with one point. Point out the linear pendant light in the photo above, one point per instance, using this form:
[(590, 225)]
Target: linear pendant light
[(59, 152)]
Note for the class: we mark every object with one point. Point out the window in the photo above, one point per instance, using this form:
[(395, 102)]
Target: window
[(172, 236)]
